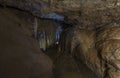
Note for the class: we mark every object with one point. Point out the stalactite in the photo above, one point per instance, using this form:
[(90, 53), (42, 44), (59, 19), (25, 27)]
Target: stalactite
[(51, 29), (47, 39), (35, 27), (58, 33), (42, 40)]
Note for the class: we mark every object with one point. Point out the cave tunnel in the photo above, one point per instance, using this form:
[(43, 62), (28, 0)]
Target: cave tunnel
[(59, 38)]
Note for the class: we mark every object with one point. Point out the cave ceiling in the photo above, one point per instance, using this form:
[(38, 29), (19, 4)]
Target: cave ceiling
[(83, 10)]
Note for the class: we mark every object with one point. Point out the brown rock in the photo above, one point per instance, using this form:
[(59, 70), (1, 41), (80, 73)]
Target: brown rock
[(82, 46), (86, 50), (20, 56), (108, 44)]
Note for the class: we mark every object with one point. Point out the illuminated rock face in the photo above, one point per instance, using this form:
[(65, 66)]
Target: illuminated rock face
[(98, 49), (108, 47)]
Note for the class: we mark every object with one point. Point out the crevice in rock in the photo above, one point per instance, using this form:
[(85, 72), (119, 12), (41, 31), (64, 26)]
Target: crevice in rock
[(105, 74)]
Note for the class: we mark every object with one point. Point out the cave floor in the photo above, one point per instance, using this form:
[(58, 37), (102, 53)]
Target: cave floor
[(66, 66)]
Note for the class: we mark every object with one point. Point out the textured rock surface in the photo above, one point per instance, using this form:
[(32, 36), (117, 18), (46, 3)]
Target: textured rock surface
[(94, 41), (60, 5), (109, 47), (33, 6), (82, 46), (20, 56), (85, 40), (98, 49)]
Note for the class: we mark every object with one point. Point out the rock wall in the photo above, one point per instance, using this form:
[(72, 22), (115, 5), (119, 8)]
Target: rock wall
[(20, 55), (62, 6), (108, 47), (36, 7), (98, 49)]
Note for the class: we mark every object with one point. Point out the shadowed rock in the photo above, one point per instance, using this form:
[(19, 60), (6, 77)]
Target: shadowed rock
[(20, 55)]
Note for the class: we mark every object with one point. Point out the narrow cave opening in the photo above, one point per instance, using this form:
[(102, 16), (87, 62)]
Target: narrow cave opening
[(49, 36)]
